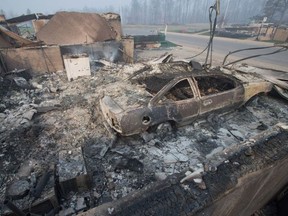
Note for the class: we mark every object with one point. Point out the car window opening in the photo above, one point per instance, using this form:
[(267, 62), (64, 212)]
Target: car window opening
[(153, 84), (181, 91), (213, 85)]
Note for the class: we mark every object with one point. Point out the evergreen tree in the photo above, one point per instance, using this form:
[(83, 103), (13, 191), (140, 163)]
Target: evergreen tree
[(2, 12), (275, 10), (28, 11)]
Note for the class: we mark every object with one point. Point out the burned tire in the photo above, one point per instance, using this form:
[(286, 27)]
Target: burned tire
[(164, 129)]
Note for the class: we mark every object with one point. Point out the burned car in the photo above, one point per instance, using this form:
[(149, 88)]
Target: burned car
[(131, 107)]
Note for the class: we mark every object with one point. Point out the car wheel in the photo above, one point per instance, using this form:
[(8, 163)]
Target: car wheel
[(164, 129)]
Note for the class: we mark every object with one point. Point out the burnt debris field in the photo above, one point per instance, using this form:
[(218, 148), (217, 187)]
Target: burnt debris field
[(87, 131), (58, 156)]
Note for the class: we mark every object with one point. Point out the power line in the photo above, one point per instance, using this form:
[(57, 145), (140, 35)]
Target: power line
[(282, 49), (209, 46)]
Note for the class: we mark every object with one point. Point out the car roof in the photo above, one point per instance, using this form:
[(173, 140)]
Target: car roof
[(154, 83)]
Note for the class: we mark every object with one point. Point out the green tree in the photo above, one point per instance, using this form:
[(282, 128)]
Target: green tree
[(135, 15)]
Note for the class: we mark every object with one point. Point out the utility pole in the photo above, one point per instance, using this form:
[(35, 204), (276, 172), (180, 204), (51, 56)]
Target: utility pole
[(225, 14), (264, 20)]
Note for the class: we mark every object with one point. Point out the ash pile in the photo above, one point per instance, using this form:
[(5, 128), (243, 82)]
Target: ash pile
[(57, 156)]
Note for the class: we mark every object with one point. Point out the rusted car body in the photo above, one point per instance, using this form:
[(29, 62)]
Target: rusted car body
[(179, 98)]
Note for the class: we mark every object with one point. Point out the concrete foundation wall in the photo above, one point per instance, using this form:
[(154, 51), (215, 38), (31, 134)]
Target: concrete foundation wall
[(49, 59), (37, 60), (112, 51)]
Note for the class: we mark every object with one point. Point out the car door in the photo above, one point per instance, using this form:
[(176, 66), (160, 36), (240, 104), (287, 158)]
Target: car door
[(216, 92), (180, 100)]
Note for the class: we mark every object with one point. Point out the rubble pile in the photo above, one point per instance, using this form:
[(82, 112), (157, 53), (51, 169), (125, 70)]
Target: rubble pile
[(57, 155)]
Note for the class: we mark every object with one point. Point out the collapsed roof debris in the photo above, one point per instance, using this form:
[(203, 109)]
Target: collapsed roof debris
[(24, 27), (29, 17), (67, 33), (14, 39)]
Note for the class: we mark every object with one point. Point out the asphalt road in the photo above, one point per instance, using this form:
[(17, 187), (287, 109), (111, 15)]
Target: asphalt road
[(192, 44), (222, 46)]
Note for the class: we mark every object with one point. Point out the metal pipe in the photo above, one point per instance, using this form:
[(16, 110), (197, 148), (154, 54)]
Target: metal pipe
[(13, 208)]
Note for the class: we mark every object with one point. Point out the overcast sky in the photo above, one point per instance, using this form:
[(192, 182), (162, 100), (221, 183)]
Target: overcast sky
[(19, 7)]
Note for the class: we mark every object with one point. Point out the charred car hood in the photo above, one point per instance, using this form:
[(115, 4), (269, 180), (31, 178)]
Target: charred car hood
[(126, 95)]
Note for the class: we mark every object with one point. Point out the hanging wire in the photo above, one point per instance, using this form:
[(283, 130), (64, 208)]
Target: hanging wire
[(281, 49), (212, 33), (209, 47)]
